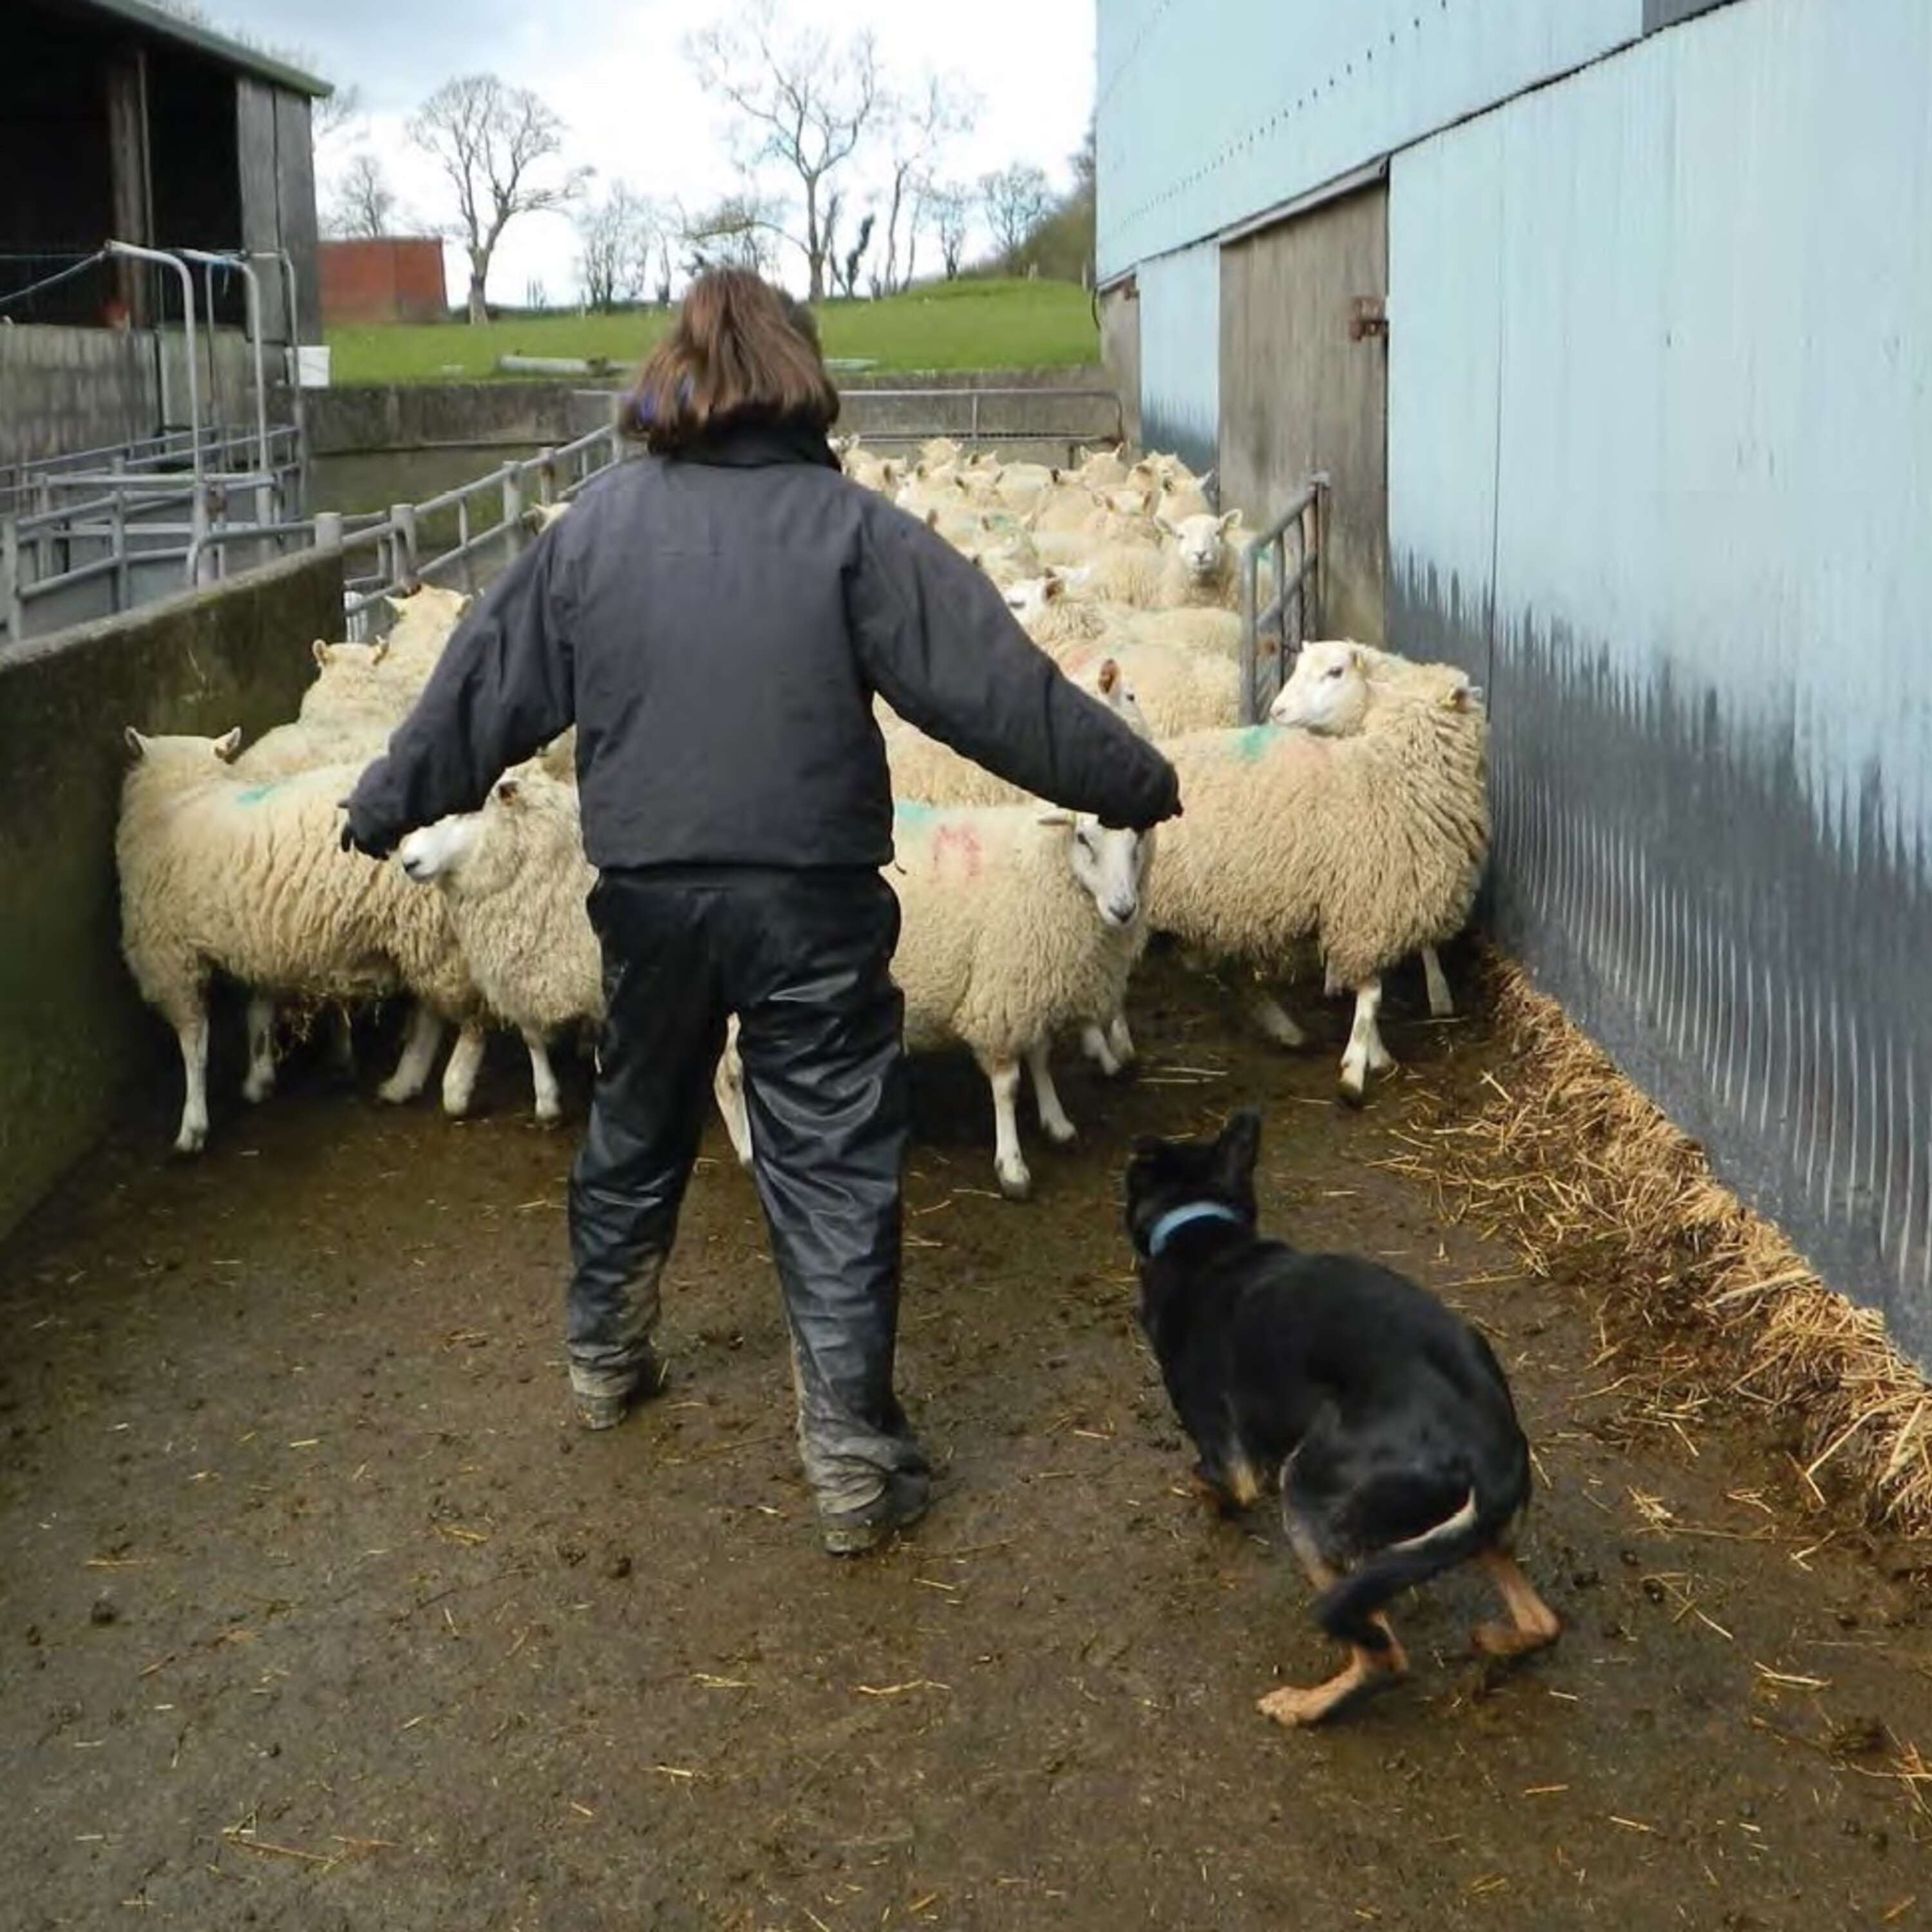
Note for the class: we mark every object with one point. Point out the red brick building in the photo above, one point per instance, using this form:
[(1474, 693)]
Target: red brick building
[(398, 278)]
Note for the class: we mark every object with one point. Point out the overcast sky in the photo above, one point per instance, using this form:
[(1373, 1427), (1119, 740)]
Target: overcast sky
[(614, 70)]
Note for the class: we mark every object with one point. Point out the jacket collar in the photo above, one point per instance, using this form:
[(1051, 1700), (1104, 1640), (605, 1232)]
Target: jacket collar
[(757, 446)]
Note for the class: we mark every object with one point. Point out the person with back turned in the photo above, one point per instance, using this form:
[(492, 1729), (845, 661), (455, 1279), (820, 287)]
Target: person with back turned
[(715, 618)]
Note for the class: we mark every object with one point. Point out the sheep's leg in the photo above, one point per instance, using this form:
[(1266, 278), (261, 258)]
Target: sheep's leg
[(1053, 1120), (1009, 1163), (419, 1045), (728, 1087), (342, 1042), (1441, 1002), (1272, 1018), (1380, 1058), (543, 1078), (1095, 1045), (260, 1082), (1360, 1054), (192, 1031), (459, 1077), (1121, 1040)]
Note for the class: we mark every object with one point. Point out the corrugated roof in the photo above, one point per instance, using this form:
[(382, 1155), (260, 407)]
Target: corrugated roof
[(189, 33)]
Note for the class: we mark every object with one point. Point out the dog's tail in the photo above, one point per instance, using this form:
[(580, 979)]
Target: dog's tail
[(1346, 1609)]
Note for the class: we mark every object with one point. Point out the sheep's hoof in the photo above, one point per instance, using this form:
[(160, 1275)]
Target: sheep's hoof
[(549, 1115), (1016, 1183), (191, 1140), (456, 1106), (258, 1087), (1351, 1093), (1062, 1133)]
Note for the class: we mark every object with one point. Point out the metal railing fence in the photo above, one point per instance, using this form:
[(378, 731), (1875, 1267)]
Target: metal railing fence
[(1298, 587)]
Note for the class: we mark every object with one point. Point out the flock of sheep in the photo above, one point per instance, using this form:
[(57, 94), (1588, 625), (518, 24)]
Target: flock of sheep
[(1349, 832)]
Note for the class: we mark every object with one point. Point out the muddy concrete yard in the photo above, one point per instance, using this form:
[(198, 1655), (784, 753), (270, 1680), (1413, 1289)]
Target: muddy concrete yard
[(314, 1613)]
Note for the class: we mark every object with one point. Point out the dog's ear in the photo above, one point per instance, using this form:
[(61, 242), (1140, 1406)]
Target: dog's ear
[(1235, 1152), (1149, 1146)]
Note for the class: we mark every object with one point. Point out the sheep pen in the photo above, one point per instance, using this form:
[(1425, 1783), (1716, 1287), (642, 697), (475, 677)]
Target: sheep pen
[(341, 1553)]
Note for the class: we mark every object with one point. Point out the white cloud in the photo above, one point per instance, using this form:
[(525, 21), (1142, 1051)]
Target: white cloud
[(616, 73)]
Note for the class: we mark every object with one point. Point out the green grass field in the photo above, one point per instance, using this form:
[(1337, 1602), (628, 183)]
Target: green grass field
[(968, 325)]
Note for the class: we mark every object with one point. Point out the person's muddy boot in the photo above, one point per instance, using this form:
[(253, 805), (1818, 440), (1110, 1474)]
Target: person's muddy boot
[(604, 1408), (898, 1505)]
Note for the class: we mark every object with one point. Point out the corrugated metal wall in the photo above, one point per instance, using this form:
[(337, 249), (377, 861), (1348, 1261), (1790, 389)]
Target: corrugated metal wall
[(1181, 390), (1208, 112), (1660, 471)]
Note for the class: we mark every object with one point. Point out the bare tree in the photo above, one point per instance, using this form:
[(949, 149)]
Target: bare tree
[(801, 105), (737, 232), (1015, 200), (364, 205), (490, 140), (918, 128), (618, 240), (857, 253), (950, 205)]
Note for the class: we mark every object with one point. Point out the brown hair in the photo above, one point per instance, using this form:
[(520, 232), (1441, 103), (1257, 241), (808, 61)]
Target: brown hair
[(740, 351)]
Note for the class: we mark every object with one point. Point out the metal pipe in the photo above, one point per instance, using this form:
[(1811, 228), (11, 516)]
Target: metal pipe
[(133, 251), (287, 262), (238, 264)]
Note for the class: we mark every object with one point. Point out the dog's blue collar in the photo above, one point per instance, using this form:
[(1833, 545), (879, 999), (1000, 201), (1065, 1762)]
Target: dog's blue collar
[(1170, 1223)]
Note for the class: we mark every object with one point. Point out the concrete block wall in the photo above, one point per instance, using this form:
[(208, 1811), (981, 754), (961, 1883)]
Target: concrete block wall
[(64, 389), (74, 1036)]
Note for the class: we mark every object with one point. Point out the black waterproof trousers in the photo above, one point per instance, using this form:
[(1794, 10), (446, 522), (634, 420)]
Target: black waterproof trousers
[(803, 959)]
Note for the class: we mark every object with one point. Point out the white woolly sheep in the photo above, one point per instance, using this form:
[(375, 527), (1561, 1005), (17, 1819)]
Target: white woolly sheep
[(217, 874), (515, 880), (1175, 690), (1017, 921), (1334, 683), (1370, 847), (1198, 567)]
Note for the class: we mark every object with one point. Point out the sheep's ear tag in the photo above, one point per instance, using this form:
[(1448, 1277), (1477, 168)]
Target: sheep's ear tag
[(228, 744), (134, 741)]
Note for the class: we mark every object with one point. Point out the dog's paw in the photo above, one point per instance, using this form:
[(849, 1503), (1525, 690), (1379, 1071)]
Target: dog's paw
[(1296, 1709)]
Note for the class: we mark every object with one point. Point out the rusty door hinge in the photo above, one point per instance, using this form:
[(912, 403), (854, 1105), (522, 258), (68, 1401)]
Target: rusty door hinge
[(1367, 316)]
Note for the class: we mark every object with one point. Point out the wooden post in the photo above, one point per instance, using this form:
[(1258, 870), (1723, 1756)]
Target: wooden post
[(127, 166)]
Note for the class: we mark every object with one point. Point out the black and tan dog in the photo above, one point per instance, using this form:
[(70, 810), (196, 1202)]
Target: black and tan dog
[(1384, 1418)]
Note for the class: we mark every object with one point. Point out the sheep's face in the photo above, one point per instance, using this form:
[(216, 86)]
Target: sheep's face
[(1202, 543), (438, 851), (1108, 683), (1328, 690), (1031, 596), (1112, 866)]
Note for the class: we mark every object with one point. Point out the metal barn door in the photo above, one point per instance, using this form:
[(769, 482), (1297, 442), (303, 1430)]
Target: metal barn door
[(1304, 386)]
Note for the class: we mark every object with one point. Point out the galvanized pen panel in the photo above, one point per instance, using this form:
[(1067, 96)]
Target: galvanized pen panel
[(1660, 442)]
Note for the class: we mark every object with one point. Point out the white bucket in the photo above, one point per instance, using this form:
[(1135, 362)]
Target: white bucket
[(312, 365)]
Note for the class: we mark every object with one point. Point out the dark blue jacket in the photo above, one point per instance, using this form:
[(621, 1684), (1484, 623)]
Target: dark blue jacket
[(716, 624)]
